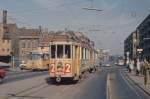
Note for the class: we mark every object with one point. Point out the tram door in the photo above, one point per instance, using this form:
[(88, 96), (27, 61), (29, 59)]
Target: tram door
[(77, 60)]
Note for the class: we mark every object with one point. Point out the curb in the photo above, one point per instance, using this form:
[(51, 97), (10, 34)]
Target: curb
[(144, 90)]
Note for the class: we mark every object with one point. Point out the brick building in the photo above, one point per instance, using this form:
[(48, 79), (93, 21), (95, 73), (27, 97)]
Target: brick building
[(28, 41)]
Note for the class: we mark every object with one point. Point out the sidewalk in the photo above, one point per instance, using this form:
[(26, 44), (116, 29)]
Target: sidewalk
[(139, 80)]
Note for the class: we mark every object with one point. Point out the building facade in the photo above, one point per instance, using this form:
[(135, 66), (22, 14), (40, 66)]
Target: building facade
[(131, 44), (7, 36), (144, 35), (28, 41)]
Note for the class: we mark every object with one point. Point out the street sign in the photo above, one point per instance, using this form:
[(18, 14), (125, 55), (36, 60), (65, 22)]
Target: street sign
[(140, 50)]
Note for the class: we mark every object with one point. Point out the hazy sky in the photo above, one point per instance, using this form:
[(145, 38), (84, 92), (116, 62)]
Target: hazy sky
[(117, 20)]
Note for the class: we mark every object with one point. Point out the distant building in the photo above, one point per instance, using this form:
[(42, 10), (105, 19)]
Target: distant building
[(131, 44), (5, 46), (7, 33), (28, 41)]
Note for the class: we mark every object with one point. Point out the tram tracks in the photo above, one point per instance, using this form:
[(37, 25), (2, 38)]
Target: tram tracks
[(32, 91), (25, 93)]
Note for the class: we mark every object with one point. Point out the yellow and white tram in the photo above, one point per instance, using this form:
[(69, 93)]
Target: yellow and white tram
[(37, 60), (70, 59)]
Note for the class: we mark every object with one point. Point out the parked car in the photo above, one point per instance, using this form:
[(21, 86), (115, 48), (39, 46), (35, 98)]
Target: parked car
[(22, 66), (2, 74), (108, 65), (4, 65)]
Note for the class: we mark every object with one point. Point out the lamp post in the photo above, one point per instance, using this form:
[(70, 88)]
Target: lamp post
[(12, 59)]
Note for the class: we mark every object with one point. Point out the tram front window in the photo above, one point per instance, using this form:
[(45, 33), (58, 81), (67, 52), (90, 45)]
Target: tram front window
[(59, 51), (35, 56), (67, 51), (53, 50), (62, 51)]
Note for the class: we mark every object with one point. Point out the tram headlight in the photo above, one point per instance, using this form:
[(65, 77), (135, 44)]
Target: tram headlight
[(59, 65)]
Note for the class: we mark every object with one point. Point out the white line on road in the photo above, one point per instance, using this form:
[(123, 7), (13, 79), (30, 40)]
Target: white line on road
[(108, 87)]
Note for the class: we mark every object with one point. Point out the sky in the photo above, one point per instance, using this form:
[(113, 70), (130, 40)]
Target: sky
[(108, 28)]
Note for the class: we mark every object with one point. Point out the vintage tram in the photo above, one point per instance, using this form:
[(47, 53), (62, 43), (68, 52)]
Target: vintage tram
[(70, 57), (36, 60)]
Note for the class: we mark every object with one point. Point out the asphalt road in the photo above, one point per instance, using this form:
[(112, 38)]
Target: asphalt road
[(121, 88), (93, 86), (21, 75)]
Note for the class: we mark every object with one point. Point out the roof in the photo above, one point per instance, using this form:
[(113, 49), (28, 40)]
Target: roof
[(28, 32)]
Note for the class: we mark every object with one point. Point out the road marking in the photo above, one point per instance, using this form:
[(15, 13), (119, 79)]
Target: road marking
[(127, 82), (108, 87)]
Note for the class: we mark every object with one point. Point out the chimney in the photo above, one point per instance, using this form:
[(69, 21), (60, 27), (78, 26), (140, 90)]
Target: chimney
[(5, 21)]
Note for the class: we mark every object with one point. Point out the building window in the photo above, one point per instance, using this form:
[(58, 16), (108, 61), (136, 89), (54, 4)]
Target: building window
[(8, 41), (23, 44), (29, 44), (8, 50), (3, 49), (3, 41)]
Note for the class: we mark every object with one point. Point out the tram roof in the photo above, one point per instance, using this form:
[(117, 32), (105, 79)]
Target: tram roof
[(65, 37)]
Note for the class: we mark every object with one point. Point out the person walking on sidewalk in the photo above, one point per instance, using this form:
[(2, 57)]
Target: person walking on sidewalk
[(131, 66), (127, 65), (142, 67), (146, 70), (138, 67)]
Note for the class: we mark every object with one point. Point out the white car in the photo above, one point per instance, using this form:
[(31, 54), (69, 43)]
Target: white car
[(108, 65), (22, 66)]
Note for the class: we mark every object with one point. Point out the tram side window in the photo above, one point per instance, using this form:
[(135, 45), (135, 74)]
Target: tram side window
[(45, 56), (67, 51), (53, 50), (82, 53), (59, 51)]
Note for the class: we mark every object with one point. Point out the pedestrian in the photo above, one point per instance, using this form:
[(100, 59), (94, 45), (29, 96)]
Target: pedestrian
[(142, 67), (138, 67), (146, 68), (127, 64), (131, 66)]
